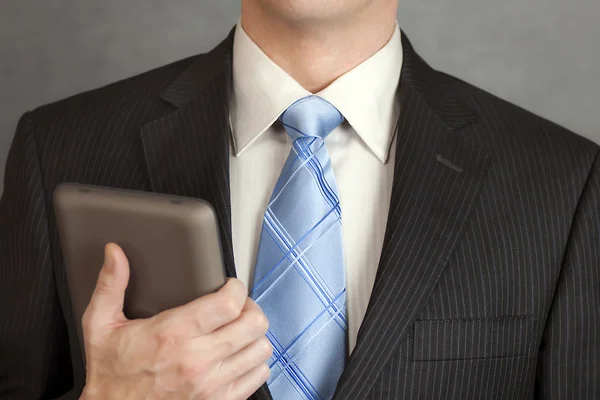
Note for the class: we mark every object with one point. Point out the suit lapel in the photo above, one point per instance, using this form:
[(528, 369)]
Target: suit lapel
[(438, 173), (187, 150)]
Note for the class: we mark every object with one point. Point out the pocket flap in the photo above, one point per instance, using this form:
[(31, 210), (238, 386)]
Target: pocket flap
[(468, 338)]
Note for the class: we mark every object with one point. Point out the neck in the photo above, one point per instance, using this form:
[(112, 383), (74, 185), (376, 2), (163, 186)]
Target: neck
[(316, 53)]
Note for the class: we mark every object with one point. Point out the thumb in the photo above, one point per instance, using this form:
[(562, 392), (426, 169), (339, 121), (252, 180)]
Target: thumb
[(106, 304)]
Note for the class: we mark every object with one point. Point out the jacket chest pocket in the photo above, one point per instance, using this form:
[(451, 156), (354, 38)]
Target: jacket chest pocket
[(473, 338)]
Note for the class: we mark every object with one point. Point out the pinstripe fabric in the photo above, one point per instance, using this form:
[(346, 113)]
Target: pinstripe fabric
[(489, 280)]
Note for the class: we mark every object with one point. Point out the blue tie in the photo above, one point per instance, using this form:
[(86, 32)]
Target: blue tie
[(299, 276)]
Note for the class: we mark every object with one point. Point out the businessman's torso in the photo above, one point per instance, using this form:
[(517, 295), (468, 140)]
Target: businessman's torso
[(482, 204)]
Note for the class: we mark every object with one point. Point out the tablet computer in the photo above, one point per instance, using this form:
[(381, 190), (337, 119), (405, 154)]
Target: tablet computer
[(172, 244)]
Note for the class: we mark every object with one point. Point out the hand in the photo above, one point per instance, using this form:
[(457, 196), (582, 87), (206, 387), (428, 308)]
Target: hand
[(211, 348)]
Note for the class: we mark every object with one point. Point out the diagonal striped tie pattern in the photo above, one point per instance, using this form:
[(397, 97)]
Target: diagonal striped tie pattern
[(299, 275)]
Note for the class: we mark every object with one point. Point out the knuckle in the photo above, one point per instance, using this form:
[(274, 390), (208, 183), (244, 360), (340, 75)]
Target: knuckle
[(237, 286), (237, 369), (167, 338), (265, 348), (87, 320), (89, 325), (228, 345), (230, 307), (265, 371), (258, 321), (189, 371)]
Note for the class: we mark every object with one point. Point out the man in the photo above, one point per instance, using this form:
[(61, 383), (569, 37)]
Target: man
[(467, 265)]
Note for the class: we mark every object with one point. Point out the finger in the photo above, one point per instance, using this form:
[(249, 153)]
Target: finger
[(229, 339), (195, 367), (253, 355), (247, 384), (210, 312), (106, 304)]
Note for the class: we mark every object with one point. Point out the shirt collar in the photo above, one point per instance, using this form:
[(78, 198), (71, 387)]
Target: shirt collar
[(364, 95)]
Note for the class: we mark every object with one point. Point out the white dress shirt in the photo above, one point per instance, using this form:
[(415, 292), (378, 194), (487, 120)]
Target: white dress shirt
[(360, 149)]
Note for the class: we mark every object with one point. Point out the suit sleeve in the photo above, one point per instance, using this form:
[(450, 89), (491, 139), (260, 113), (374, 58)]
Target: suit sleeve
[(34, 351), (569, 361)]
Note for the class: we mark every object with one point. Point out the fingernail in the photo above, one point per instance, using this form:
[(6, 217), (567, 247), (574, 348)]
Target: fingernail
[(109, 259)]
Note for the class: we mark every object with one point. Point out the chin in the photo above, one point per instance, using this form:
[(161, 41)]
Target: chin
[(312, 10)]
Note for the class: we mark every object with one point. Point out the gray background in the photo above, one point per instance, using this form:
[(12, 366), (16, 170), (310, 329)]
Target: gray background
[(541, 54)]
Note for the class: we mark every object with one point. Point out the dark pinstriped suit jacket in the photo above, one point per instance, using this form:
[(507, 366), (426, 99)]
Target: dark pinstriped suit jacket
[(489, 280)]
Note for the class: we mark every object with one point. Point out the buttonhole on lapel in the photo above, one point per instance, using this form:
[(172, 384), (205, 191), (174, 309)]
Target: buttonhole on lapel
[(448, 163)]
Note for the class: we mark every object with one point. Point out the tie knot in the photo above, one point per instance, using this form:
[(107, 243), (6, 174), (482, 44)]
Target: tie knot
[(310, 116)]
